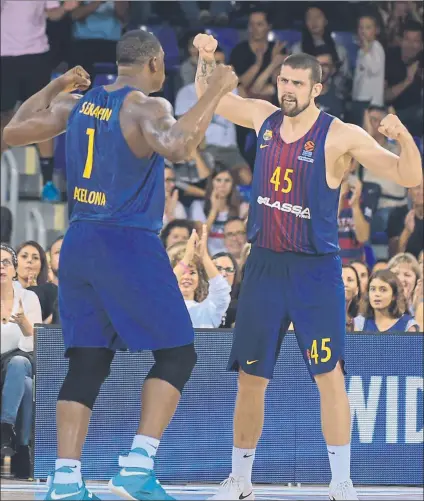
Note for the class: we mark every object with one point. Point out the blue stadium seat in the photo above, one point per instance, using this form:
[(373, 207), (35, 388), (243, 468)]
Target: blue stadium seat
[(103, 79), (109, 68), (289, 36), (380, 238), (168, 38), (227, 38), (348, 40)]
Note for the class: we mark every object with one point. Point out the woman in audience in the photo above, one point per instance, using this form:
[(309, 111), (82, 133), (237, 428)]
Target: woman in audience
[(20, 310), (380, 264), (178, 230), (205, 291), (227, 266), (33, 274), (363, 274), (221, 202), (317, 33), (352, 294), (406, 268), (384, 308)]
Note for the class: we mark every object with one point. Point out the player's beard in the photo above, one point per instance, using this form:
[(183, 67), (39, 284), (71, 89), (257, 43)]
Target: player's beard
[(292, 109)]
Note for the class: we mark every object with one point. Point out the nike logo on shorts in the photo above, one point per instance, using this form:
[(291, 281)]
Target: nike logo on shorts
[(250, 362)]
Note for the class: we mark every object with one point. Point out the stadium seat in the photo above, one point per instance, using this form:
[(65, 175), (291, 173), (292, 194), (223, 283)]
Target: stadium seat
[(108, 68), (348, 40), (289, 36), (227, 38), (168, 38), (104, 79), (380, 238)]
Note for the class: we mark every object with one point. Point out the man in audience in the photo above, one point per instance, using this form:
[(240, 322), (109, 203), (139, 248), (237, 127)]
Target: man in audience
[(178, 230), (405, 228), (26, 67), (329, 100), (54, 252), (356, 208), (404, 77), (221, 138), (392, 194), (235, 238)]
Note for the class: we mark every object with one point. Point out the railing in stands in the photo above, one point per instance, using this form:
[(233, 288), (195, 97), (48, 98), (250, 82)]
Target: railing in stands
[(10, 187), (35, 228)]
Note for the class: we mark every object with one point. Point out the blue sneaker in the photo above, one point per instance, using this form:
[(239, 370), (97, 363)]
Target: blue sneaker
[(50, 193), (66, 492), (138, 482)]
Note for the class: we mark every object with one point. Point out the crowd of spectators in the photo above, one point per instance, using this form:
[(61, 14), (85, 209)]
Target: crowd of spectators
[(207, 196)]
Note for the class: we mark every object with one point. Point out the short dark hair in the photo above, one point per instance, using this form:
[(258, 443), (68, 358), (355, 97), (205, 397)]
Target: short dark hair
[(305, 62), (376, 107), (232, 219), (176, 223), (57, 239), (412, 26), (136, 47), (261, 10)]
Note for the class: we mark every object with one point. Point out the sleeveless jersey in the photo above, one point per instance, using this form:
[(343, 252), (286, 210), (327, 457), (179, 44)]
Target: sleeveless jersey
[(404, 323), (292, 208), (106, 182)]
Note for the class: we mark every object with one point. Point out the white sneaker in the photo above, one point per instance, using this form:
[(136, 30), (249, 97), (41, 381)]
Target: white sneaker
[(343, 490), (234, 489)]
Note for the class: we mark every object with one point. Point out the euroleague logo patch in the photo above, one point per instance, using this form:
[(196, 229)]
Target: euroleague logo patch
[(308, 150)]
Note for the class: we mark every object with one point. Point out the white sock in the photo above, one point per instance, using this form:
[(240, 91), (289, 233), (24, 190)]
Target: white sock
[(73, 477), (339, 456), (242, 463), (150, 445)]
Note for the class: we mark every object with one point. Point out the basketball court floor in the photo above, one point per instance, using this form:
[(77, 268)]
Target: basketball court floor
[(11, 490)]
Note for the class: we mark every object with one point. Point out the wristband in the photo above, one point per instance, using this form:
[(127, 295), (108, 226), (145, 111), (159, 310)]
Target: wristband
[(184, 266)]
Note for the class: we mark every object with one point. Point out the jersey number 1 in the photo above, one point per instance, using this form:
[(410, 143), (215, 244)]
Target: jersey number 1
[(89, 161)]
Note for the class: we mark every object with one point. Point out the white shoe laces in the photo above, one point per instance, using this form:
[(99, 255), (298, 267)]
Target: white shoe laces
[(230, 483)]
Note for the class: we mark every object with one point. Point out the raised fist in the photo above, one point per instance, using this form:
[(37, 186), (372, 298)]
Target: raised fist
[(392, 127), (75, 79), (224, 77), (206, 45)]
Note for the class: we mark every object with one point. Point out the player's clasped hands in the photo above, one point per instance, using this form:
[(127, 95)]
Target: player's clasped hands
[(224, 78)]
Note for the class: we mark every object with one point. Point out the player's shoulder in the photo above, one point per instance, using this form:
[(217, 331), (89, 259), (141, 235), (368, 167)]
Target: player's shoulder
[(345, 134), (143, 105), (261, 111)]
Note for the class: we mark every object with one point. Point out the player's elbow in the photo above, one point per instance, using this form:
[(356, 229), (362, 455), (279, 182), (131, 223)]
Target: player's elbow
[(11, 136), (413, 180)]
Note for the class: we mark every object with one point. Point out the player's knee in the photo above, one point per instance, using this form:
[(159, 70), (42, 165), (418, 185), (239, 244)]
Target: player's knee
[(88, 369), (174, 365)]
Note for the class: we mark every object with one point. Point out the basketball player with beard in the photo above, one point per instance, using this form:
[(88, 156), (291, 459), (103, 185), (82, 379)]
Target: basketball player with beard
[(293, 272)]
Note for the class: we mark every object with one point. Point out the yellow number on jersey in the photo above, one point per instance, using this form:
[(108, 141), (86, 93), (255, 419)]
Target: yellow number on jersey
[(275, 180), (324, 348), (89, 162)]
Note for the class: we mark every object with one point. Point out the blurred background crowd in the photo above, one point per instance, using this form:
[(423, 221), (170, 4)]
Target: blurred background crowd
[(371, 56)]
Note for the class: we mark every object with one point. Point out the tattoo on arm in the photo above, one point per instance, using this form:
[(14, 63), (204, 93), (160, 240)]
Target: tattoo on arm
[(204, 70)]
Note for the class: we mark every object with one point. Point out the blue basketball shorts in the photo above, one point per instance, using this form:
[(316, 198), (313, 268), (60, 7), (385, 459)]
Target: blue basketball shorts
[(117, 290), (279, 288)]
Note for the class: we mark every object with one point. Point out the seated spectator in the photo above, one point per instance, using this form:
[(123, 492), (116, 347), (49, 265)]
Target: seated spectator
[(406, 268), (356, 208), (352, 294), (54, 253), (384, 308), (368, 78), (189, 66), (6, 225), (97, 28), (228, 268), (392, 194), (178, 230), (33, 275), (405, 226), (235, 238), (191, 176), (220, 137), (174, 209), (20, 310), (404, 78), (196, 15), (317, 33), (363, 274), (221, 202), (418, 302), (395, 15), (380, 264), (205, 291), (329, 99)]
